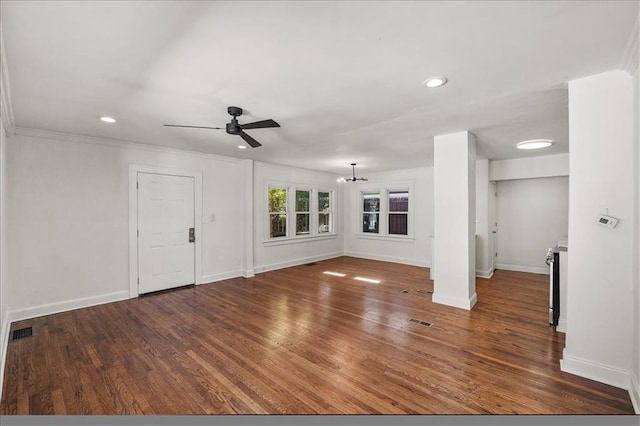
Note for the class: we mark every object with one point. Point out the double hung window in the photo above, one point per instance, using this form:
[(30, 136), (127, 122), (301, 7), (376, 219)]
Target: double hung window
[(311, 212), (385, 212), (277, 212)]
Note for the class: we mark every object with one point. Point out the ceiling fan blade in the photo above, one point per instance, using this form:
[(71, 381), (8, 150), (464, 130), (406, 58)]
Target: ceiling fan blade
[(192, 127), (251, 141), (259, 125)]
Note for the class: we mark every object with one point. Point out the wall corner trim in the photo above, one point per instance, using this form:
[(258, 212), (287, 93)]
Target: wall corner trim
[(630, 57), (6, 108), (595, 371)]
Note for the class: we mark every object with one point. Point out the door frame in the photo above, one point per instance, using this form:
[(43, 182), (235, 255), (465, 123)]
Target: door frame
[(134, 169)]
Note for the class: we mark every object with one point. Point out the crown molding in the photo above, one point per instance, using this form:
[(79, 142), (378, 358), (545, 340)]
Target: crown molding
[(630, 57), (6, 110)]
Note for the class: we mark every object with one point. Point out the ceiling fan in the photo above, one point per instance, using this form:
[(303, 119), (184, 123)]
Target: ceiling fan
[(354, 178), (235, 128)]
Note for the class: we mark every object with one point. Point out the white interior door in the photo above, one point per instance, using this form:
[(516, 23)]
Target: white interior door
[(166, 256)]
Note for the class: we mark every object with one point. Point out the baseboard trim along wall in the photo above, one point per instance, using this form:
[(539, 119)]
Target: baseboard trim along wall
[(391, 259), (485, 274), (524, 268), (595, 371), (69, 305), (456, 302), (296, 262), (4, 335), (634, 393), (208, 279)]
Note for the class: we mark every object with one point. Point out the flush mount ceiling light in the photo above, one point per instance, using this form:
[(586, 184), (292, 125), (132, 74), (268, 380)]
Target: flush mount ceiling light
[(435, 82), (107, 119), (242, 147), (353, 178), (535, 144)]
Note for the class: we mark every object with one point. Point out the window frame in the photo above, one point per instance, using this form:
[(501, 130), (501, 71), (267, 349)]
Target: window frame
[(383, 230), (330, 212), (390, 212), (291, 235), (306, 212), (270, 213)]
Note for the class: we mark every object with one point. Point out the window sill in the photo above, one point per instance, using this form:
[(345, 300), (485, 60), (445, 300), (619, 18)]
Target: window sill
[(398, 238), (299, 239)]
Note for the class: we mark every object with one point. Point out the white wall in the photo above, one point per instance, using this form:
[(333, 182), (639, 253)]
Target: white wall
[(532, 215), (412, 251), (600, 294), (4, 293), (276, 254), (531, 167), (69, 206), (634, 52)]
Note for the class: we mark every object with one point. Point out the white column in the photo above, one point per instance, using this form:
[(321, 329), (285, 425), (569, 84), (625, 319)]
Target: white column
[(454, 220), (600, 261)]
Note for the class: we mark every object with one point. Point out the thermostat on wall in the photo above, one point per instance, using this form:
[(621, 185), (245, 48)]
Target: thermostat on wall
[(608, 221)]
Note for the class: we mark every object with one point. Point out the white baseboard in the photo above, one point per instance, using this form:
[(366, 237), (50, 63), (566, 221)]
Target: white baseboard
[(524, 268), (484, 274), (54, 308), (4, 342), (562, 325), (595, 371), (296, 262), (392, 259), (456, 302), (634, 393), (207, 279)]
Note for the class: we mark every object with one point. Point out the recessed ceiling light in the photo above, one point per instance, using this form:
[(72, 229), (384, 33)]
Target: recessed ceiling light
[(107, 119), (535, 144), (242, 147), (435, 82)]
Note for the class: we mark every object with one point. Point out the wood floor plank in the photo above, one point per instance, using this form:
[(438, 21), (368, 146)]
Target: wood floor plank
[(298, 341)]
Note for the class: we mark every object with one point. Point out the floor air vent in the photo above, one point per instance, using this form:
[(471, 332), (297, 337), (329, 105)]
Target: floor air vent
[(426, 324), (21, 333)]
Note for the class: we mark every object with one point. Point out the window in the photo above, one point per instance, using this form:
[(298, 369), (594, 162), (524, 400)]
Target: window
[(385, 212), (277, 212), (371, 212), (398, 212), (324, 212), (298, 213), (303, 212)]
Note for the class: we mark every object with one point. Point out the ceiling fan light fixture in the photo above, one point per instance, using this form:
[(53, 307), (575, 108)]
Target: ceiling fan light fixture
[(535, 144), (434, 82), (353, 178)]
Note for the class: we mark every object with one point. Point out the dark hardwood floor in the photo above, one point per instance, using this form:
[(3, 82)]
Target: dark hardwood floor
[(300, 341)]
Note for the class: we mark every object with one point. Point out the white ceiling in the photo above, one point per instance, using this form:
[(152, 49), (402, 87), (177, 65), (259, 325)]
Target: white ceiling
[(343, 79)]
